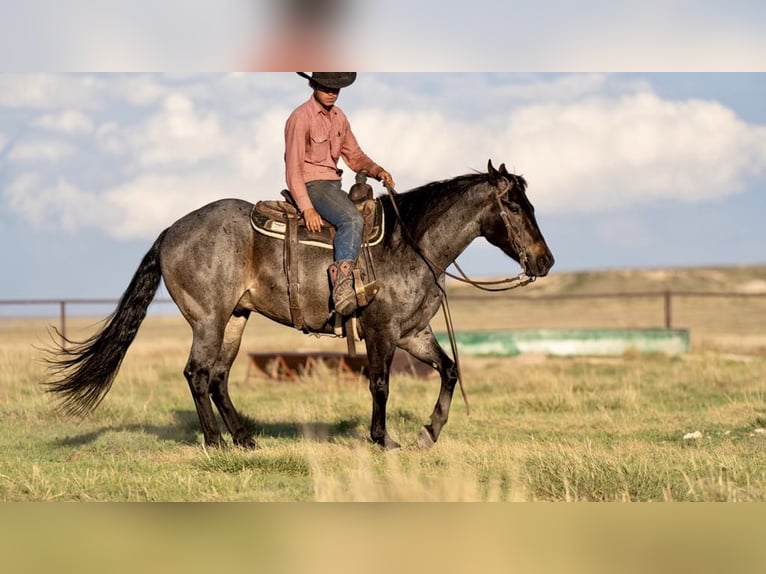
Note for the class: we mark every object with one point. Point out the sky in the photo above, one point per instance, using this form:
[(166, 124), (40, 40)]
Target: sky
[(639, 125), (626, 170)]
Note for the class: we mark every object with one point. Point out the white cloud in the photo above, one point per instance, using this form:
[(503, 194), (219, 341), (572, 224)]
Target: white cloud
[(594, 154), (40, 151), (179, 133), (68, 122), (602, 154), (149, 203), (258, 150), (60, 204), (49, 91), (140, 208), (138, 89), (583, 143)]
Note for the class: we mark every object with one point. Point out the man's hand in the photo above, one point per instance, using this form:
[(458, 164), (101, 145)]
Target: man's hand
[(386, 178), (313, 220)]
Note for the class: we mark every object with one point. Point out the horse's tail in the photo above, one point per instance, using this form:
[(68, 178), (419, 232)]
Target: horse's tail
[(83, 371)]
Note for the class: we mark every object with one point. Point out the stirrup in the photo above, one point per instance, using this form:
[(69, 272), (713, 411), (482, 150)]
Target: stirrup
[(365, 293)]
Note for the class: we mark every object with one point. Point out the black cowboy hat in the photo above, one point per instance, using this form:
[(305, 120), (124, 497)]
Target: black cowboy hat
[(333, 80)]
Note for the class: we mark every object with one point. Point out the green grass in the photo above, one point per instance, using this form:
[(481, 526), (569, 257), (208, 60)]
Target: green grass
[(540, 429)]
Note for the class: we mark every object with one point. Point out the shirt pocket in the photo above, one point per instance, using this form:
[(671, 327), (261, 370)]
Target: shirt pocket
[(319, 145)]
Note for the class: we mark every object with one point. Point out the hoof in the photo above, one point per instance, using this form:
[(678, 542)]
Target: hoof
[(425, 441), (387, 443), (216, 444), (391, 444), (248, 443)]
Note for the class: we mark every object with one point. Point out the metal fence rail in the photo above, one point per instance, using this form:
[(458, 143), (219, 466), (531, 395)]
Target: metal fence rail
[(666, 297), (63, 304), (666, 300)]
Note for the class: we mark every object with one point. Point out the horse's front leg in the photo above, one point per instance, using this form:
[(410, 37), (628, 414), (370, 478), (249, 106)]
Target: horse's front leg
[(425, 347), (380, 353)]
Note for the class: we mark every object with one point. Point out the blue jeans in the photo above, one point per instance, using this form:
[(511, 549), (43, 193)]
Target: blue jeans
[(334, 205)]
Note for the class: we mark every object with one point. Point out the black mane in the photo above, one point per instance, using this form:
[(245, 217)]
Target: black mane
[(423, 206)]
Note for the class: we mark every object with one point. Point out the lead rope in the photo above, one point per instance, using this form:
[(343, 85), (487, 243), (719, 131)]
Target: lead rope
[(453, 345)]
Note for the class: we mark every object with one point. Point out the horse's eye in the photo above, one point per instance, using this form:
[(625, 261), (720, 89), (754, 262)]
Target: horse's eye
[(514, 208)]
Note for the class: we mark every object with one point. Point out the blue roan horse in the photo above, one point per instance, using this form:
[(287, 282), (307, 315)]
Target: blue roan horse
[(218, 271)]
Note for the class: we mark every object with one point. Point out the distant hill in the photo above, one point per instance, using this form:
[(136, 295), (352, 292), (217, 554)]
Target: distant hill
[(741, 279)]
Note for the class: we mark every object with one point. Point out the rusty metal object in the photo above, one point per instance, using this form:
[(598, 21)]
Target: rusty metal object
[(292, 366)]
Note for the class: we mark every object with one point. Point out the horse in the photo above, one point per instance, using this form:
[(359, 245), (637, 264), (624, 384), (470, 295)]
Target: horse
[(218, 271)]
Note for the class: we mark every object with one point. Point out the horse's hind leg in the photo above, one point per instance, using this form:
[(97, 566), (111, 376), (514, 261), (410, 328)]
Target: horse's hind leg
[(425, 347), (219, 381), (206, 347)]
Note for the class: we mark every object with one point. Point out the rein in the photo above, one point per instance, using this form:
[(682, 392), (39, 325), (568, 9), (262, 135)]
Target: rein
[(493, 286)]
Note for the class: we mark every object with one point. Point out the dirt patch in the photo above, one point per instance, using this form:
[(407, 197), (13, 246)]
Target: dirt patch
[(753, 286)]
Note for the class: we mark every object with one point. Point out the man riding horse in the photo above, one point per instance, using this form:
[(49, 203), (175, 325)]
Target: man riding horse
[(317, 134)]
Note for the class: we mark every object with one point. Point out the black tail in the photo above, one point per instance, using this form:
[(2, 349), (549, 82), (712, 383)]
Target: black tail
[(83, 372)]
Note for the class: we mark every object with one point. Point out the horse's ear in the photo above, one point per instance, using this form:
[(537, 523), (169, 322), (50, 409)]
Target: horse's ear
[(492, 172), (503, 170), (496, 177)]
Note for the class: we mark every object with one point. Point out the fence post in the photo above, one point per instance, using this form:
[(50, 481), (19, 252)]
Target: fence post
[(62, 321), (668, 310)]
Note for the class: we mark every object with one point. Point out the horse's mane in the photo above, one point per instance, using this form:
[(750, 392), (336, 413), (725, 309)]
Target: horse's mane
[(423, 206)]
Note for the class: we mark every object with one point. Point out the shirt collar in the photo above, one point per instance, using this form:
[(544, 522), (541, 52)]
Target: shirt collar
[(317, 108)]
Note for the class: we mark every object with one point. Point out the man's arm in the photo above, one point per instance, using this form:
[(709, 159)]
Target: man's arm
[(357, 160), (295, 154)]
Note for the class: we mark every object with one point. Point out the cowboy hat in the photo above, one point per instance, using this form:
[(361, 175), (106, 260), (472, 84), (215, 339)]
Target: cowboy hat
[(333, 80)]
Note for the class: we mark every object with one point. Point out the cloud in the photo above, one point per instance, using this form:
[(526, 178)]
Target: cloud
[(146, 205), (586, 143), (603, 154), (60, 204), (593, 154), (40, 151), (139, 208), (68, 122), (49, 91), (179, 133)]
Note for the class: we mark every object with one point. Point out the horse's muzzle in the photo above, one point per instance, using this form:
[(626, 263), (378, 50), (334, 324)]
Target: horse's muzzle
[(539, 265)]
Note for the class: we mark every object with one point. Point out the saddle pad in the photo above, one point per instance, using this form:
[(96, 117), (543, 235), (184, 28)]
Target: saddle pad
[(270, 218)]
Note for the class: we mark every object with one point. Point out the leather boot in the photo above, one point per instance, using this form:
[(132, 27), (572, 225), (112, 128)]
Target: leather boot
[(342, 281)]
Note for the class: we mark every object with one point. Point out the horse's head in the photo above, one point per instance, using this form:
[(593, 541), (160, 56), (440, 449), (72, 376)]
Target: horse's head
[(511, 224)]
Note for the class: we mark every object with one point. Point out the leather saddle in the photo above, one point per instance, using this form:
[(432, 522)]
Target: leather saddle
[(283, 221), (271, 217)]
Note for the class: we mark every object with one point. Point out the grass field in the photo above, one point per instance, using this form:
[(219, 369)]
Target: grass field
[(563, 429)]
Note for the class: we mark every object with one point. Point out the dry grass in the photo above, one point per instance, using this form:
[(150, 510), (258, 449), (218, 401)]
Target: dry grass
[(580, 429)]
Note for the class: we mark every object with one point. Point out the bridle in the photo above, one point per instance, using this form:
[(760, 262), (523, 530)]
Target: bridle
[(493, 286), (511, 227), (510, 282)]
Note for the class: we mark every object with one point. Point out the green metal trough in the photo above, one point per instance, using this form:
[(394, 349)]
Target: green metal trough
[(570, 342)]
